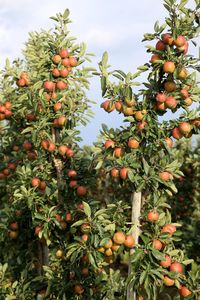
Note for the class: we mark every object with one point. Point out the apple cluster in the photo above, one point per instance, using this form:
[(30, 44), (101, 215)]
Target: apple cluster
[(174, 82), (5, 110), (23, 80), (63, 64), (63, 150)]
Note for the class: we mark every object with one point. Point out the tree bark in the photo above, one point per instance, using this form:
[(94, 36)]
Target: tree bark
[(136, 201)]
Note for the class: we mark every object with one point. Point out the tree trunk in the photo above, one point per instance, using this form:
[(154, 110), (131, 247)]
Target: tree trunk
[(136, 200)]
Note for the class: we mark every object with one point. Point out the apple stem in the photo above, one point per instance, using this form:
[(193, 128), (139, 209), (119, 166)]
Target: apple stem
[(136, 200)]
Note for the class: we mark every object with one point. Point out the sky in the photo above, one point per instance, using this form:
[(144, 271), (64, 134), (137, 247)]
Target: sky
[(104, 25)]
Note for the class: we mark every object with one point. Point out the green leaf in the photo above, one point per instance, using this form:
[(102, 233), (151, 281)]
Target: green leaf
[(188, 262), (78, 223), (66, 13), (158, 255), (87, 209), (103, 85), (156, 26), (142, 277), (105, 59), (99, 165), (92, 260), (146, 166)]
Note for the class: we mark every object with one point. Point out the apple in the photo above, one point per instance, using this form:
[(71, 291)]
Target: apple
[(108, 106), (184, 94), (114, 173), (8, 113), (68, 217), (167, 262), (57, 106), (176, 267), (165, 176), (170, 228), (21, 82), (184, 291), (65, 62), (139, 115), (119, 238), (161, 97), (72, 61), (154, 58), (160, 45), (51, 147), (38, 229), (73, 184), (64, 53), (118, 152), (141, 125), (180, 41), (69, 153), (49, 85), (129, 241), (59, 253), (64, 72), (168, 281), (27, 145), (72, 173), (169, 142), (133, 143), (188, 101), (55, 72), (129, 102), (35, 182), (14, 226), (62, 120), (176, 133), (127, 111), (42, 185), (169, 67), (13, 234), (167, 39), (81, 190), (118, 105), (185, 128), (170, 102), (152, 216), (78, 289), (62, 149), (157, 244), (7, 104), (182, 74), (61, 85), (123, 173), (169, 86), (56, 59), (160, 106), (109, 144)]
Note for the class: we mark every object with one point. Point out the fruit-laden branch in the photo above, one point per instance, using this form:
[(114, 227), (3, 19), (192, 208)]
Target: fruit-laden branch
[(136, 200)]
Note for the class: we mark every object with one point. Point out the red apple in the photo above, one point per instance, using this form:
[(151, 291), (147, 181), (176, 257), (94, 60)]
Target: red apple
[(170, 102), (161, 97), (109, 144), (167, 262), (124, 173), (56, 59), (176, 267), (49, 85), (63, 53), (169, 67), (160, 45), (61, 85), (176, 133)]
